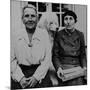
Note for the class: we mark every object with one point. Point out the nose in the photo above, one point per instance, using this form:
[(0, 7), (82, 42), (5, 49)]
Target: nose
[(68, 21), (30, 18)]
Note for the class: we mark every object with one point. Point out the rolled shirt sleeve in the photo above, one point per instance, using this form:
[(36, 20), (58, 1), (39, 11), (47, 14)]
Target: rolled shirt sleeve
[(42, 70), (16, 72), (56, 57)]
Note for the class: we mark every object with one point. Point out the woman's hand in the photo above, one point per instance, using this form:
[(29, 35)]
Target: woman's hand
[(85, 73), (24, 82), (28, 82), (60, 73), (32, 81)]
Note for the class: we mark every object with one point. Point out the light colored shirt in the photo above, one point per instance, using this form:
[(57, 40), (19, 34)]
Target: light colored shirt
[(39, 53)]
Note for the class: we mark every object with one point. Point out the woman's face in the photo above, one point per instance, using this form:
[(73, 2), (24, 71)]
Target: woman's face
[(69, 21), (30, 18)]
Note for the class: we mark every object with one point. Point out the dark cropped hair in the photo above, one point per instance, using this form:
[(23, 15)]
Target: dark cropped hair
[(70, 13)]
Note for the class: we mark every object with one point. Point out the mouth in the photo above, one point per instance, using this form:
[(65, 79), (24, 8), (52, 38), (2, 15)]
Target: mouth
[(68, 25), (30, 23)]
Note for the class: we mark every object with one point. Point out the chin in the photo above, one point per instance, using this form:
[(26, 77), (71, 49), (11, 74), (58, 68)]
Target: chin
[(69, 27), (30, 27)]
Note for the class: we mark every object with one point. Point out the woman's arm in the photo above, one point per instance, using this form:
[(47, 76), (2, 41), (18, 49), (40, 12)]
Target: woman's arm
[(82, 51), (56, 56), (16, 72)]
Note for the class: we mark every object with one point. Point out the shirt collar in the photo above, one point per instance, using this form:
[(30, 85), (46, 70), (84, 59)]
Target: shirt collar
[(69, 33), (22, 35)]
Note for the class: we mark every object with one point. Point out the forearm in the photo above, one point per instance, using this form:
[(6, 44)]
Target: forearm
[(83, 60), (83, 52), (55, 56), (56, 62), (42, 70), (16, 72)]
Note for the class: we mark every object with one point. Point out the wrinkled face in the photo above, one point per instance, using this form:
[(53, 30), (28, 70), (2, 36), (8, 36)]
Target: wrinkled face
[(69, 22), (52, 26), (29, 18)]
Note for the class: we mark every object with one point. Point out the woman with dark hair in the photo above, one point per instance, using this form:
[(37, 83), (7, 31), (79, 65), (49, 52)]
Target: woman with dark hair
[(69, 49)]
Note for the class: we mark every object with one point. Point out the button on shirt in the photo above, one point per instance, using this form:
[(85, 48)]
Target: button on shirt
[(69, 46), (38, 53)]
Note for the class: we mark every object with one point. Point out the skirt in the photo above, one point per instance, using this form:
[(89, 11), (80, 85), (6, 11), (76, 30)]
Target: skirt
[(29, 71)]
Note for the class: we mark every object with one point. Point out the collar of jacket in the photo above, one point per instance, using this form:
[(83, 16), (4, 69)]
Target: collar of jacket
[(69, 33)]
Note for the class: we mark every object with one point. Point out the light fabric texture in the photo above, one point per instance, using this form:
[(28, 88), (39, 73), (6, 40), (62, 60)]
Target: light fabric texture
[(46, 19), (39, 53)]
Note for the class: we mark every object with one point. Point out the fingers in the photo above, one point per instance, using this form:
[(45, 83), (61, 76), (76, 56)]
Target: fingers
[(24, 82), (60, 73), (28, 79), (32, 82), (24, 85), (28, 82)]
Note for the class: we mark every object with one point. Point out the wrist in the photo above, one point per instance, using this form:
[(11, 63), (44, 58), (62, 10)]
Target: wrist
[(59, 69), (22, 79), (38, 80)]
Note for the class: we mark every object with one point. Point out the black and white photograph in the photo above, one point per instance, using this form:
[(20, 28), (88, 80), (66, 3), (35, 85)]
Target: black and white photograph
[(48, 44)]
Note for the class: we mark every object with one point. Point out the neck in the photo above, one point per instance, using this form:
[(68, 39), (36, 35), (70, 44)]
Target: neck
[(30, 31), (30, 37), (70, 29)]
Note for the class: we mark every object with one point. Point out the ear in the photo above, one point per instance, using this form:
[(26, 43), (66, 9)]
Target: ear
[(22, 19)]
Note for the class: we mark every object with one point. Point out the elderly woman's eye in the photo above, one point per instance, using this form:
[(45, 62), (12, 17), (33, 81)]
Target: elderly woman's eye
[(27, 15), (32, 15), (51, 23)]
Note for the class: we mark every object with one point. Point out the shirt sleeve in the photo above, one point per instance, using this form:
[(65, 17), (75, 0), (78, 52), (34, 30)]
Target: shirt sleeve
[(42, 70), (82, 51), (16, 72), (56, 51)]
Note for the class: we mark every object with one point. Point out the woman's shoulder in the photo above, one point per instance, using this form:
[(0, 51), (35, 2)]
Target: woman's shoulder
[(41, 33), (60, 32), (80, 33)]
